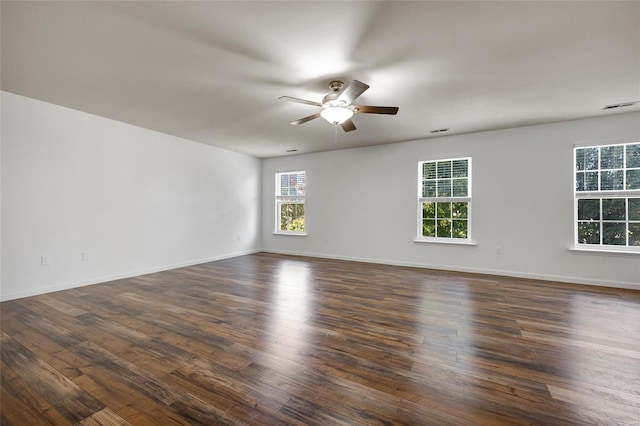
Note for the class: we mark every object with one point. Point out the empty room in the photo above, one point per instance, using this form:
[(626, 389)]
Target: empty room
[(320, 213)]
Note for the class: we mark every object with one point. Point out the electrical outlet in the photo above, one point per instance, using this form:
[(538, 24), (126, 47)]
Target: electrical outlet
[(85, 256), (45, 260)]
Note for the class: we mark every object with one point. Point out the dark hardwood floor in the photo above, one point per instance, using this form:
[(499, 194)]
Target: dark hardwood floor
[(268, 339)]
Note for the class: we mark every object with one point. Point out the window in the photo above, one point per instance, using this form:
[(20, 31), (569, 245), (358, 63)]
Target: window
[(444, 200), (290, 193), (607, 197)]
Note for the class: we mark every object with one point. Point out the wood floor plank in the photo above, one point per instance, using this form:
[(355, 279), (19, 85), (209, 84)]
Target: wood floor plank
[(62, 307), (49, 351), (73, 402), (21, 404), (135, 377), (104, 417), (270, 339), (125, 401)]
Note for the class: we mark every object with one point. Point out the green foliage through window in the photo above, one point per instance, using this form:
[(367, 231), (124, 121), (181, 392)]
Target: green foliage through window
[(609, 221), (292, 217), (445, 220)]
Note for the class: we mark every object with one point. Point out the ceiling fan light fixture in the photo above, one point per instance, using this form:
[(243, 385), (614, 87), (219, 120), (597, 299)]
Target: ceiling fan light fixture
[(336, 114)]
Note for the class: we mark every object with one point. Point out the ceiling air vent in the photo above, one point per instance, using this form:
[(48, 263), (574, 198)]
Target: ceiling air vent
[(440, 130), (622, 105)]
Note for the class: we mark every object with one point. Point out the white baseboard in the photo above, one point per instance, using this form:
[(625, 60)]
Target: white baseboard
[(130, 274), (515, 274)]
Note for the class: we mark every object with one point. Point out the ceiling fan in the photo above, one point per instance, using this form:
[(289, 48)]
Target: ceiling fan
[(337, 107)]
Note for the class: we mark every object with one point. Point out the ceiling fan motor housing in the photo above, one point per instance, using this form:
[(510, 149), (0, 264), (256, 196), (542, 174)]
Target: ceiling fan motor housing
[(330, 99), (336, 86)]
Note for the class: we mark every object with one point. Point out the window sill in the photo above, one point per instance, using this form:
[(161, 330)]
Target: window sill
[(447, 241), (291, 234), (600, 250)]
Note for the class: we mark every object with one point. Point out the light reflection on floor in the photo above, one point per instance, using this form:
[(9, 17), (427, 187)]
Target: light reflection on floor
[(290, 307), (595, 359)]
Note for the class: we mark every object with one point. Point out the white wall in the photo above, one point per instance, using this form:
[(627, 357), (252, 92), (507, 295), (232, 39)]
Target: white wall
[(361, 203), (135, 200), (139, 201)]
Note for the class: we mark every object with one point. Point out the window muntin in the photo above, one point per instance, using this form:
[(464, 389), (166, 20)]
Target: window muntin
[(290, 201), (607, 196), (444, 200)]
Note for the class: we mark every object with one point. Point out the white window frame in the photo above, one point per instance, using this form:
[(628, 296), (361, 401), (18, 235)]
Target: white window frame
[(451, 199), (603, 195), (288, 199)]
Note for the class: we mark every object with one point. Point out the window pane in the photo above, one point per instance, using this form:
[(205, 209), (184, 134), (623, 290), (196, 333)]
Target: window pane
[(459, 229), (292, 217), (589, 209), (613, 209), (444, 188), (612, 157), (611, 180), (460, 187), (588, 232), (460, 168), (633, 179), (634, 208), (459, 210), (633, 155), (444, 210), (300, 184), (444, 228), (613, 233), (580, 181), (634, 234), (580, 159), (587, 158), (429, 188), (291, 183), (591, 181), (428, 210), (429, 170), (444, 169), (428, 228)]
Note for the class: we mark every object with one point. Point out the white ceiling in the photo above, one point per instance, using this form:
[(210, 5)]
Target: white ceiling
[(212, 72)]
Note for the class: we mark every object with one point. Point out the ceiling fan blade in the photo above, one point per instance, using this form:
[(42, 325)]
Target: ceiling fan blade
[(300, 101), (355, 89), (348, 126), (305, 119), (368, 109)]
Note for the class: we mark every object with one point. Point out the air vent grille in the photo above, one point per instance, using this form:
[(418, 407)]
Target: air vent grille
[(622, 105)]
